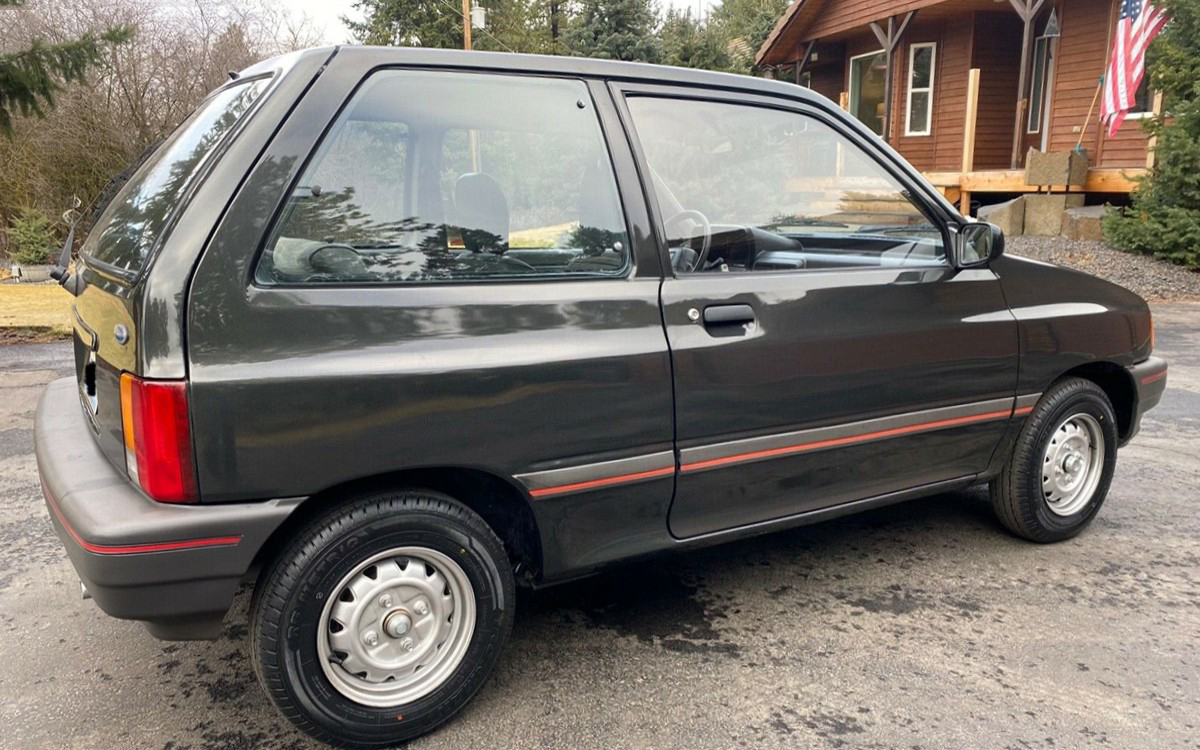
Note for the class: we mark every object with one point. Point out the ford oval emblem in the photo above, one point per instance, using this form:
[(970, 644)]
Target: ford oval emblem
[(121, 334)]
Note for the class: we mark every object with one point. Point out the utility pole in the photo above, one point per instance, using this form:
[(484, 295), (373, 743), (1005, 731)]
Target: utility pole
[(472, 135), (466, 14)]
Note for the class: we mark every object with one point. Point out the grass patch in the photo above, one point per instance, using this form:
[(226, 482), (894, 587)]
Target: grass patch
[(34, 311)]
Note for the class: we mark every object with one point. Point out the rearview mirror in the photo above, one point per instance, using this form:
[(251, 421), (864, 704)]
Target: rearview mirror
[(978, 244)]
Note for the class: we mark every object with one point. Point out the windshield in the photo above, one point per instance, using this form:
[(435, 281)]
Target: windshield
[(134, 221)]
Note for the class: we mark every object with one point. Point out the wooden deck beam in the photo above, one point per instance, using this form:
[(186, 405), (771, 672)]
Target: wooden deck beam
[(1013, 181)]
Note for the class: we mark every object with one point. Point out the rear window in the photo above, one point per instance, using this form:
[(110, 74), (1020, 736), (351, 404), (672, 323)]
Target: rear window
[(134, 221)]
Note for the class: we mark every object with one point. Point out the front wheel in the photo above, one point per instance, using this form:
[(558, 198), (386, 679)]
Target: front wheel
[(383, 619), (1061, 465)]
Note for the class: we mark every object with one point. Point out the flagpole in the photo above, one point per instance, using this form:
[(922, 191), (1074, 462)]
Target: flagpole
[(1091, 109)]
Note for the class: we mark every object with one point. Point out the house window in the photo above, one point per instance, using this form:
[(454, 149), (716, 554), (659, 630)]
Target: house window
[(1143, 101), (1037, 92), (868, 74), (919, 117)]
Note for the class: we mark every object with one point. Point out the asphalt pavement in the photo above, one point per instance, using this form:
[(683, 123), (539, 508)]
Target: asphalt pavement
[(923, 625)]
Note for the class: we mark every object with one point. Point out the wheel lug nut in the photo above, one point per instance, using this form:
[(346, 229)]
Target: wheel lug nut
[(385, 601), (371, 638), (421, 608), (397, 624), (407, 644)]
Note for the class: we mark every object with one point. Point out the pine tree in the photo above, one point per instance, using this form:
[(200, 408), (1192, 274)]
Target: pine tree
[(30, 78), (408, 23), (511, 25), (615, 30), (1164, 218), (746, 24), (691, 43)]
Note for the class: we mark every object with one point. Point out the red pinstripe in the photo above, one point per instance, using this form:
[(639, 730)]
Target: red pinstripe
[(783, 451), (620, 478), (136, 549), (849, 439)]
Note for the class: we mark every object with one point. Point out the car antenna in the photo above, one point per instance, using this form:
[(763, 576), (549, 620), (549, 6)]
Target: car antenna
[(60, 272)]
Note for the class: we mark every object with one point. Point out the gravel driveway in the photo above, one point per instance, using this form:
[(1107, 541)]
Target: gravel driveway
[(922, 625)]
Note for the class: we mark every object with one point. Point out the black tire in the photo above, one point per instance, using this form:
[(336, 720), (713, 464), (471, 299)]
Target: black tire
[(1017, 495), (290, 596)]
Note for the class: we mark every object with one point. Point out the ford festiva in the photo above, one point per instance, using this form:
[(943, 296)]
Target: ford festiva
[(390, 333)]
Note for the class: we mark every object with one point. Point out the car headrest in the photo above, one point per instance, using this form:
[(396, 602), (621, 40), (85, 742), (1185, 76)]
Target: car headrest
[(481, 212)]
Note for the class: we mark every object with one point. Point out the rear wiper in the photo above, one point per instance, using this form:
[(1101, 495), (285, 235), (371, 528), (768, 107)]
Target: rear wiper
[(60, 273)]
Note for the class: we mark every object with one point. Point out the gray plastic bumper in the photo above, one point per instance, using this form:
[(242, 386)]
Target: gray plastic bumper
[(176, 567), (1149, 381)]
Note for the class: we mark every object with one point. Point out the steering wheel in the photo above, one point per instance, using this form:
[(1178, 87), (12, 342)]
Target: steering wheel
[(706, 240)]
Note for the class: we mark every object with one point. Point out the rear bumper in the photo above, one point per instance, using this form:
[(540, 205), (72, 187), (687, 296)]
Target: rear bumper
[(1149, 381), (176, 567)]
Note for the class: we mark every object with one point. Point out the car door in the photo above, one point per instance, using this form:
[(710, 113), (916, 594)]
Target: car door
[(824, 349)]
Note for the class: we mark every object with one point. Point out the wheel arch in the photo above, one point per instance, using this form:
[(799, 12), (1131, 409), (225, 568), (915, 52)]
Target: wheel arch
[(1117, 384), (498, 502)]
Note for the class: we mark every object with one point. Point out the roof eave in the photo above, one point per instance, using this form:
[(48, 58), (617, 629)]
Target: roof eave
[(800, 14)]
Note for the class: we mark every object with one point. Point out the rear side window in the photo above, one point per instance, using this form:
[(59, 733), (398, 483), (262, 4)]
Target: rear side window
[(439, 176), (138, 215)]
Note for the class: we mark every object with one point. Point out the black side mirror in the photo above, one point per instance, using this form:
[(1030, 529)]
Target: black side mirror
[(978, 243)]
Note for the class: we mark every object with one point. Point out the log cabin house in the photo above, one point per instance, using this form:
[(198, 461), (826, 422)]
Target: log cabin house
[(964, 88)]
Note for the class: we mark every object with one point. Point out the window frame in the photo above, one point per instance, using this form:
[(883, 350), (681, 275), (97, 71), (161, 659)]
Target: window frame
[(852, 106), (908, 119), (1038, 103), (938, 214), (317, 148)]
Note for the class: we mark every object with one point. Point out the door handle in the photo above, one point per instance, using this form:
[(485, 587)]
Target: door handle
[(728, 315)]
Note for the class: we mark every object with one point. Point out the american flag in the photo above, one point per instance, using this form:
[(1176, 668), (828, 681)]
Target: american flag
[(1139, 23)]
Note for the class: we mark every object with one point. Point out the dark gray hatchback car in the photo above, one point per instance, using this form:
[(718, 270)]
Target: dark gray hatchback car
[(391, 332)]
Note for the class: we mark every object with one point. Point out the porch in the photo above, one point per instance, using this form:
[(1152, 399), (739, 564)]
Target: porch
[(965, 88), (960, 187)]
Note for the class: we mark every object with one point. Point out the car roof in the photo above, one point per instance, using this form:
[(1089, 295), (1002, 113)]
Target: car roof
[(546, 64)]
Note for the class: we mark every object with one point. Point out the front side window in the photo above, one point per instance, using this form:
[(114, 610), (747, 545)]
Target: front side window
[(921, 59), (744, 188), (137, 216), (438, 176)]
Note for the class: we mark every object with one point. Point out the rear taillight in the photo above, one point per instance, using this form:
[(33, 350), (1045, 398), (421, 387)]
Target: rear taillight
[(158, 438)]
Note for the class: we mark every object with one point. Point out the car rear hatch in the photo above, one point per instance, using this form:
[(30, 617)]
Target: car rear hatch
[(115, 328)]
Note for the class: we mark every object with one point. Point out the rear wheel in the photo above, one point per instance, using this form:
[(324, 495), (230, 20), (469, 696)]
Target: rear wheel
[(1061, 465), (383, 619)]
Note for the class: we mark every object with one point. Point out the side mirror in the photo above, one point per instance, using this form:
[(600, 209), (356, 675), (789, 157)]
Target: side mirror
[(978, 243)]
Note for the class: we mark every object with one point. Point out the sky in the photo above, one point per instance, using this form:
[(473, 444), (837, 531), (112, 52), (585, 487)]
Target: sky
[(327, 13)]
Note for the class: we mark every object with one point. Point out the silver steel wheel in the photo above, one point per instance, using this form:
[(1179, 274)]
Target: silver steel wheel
[(396, 627), (1072, 464)]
